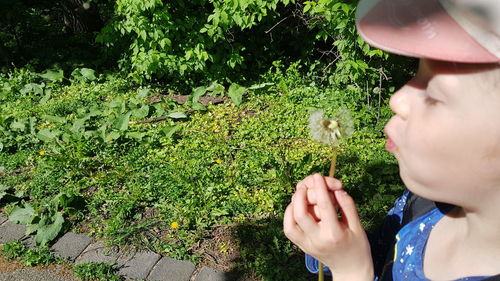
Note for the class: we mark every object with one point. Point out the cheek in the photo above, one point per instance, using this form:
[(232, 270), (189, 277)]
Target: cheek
[(436, 155)]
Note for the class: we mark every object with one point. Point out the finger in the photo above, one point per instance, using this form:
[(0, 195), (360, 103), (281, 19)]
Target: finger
[(300, 184), (349, 213), (314, 211), (313, 206), (312, 197), (290, 227), (327, 210), (301, 212), (333, 183)]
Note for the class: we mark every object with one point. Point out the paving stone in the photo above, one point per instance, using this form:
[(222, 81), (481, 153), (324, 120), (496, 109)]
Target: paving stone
[(168, 269), (139, 265), (29, 241), (10, 231), (3, 219), (71, 245), (97, 253), (210, 274)]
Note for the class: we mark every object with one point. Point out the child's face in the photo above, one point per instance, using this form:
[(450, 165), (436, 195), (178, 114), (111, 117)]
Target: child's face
[(445, 132)]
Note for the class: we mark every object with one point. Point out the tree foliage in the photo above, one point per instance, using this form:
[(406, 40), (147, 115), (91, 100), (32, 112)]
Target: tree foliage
[(200, 41)]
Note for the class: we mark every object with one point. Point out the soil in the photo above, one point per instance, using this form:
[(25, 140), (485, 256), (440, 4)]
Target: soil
[(9, 266)]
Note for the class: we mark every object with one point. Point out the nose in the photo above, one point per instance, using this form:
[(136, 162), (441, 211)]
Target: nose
[(399, 102)]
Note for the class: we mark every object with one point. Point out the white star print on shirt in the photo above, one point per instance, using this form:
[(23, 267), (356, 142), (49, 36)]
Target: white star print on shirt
[(409, 250), (422, 226)]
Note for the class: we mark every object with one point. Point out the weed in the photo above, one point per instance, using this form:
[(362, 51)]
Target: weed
[(93, 271), (41, 255)]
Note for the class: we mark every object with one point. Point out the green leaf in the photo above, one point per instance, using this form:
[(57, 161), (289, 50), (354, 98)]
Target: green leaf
[(18, 125), (47, 232), (53, 75), (260, 86), (141, 112), (46, 135), (307, 7), (170, 131), (88, 74), (32, 228), (55, 119), (235, 92), (22, 215), (34, 88), (177, 115), (113, 136), (136, 135), (197, 93), (3, 191), (216, 89), (121, 122), (78, 124), (142, 93)]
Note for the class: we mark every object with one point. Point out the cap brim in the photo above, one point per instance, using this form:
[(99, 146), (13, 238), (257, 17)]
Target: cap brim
[(418, 28)]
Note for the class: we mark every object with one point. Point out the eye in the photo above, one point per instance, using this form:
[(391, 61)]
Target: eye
[(430, 101)]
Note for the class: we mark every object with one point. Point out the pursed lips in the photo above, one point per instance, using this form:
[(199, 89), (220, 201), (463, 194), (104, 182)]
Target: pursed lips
[(390, 145)]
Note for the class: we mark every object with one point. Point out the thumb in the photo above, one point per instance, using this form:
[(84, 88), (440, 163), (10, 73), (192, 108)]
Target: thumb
[(349, 213)]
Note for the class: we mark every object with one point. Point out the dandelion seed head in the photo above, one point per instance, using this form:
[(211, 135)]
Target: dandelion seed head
[(330, 130)]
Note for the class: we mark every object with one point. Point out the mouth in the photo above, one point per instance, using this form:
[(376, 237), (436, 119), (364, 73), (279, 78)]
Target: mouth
[(390, 145)]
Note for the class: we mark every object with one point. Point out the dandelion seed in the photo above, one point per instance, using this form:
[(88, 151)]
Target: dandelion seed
[(174, 225)]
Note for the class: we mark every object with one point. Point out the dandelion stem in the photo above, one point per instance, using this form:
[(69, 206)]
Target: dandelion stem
[(321, 273), (333, 164)]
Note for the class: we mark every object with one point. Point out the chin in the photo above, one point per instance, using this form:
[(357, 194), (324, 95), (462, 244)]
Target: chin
[(430, 193)]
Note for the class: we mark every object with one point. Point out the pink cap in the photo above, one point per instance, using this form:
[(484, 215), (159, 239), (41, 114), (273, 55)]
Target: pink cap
[(450, 30)]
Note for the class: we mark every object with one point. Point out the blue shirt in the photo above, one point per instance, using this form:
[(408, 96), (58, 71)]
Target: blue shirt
[(409, 247), (409, 250)]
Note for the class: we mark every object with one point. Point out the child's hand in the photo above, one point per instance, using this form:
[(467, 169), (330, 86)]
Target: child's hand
[(341, 244)]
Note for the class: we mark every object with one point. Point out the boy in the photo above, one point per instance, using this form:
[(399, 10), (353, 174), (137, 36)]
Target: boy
[(445, 135)]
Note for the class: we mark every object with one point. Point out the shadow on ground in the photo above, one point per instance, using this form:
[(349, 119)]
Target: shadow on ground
[(265, 249)]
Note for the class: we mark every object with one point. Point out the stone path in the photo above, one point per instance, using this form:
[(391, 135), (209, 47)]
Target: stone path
[(142, 265)]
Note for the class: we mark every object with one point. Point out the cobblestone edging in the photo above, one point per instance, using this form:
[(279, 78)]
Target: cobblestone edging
[(141, 265)]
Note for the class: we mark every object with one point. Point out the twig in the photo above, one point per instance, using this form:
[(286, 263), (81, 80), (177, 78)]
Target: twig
[(282, 20)]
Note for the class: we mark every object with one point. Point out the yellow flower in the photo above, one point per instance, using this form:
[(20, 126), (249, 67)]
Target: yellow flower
[(218, 161), (174, 225), (42, 152)]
